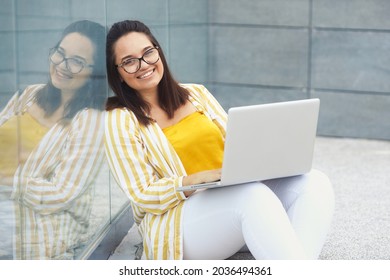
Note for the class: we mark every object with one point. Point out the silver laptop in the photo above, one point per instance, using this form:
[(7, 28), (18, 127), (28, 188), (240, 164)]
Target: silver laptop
[(267, 141)]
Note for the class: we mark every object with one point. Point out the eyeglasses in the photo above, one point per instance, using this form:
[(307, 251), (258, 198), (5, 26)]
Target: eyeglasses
[(133, 64), (73, 64)]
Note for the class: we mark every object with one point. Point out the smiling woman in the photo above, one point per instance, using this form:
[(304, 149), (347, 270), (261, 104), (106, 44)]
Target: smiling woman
[(144, 73), (161, 135), (71, 63), (50, 178)]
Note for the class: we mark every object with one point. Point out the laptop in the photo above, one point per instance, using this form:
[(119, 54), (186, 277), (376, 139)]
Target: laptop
[(267, 141)]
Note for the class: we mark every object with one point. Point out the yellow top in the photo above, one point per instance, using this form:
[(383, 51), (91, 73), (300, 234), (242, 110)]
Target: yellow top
[(18, 137), (197, 141)]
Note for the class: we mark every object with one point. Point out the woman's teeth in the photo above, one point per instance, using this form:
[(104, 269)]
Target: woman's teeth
[(63, 75), (147, 74)]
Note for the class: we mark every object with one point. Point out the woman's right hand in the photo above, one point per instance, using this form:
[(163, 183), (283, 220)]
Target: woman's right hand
[(201, 177)]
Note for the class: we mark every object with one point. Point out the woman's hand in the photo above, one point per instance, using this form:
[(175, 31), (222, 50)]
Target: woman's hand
[(201, 177)]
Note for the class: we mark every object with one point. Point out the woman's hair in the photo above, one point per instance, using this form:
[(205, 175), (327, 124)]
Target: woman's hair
[(171, 95), (94, 93)]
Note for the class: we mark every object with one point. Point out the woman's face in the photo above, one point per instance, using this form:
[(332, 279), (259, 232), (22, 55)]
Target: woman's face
[(78, 53), (135, 45)]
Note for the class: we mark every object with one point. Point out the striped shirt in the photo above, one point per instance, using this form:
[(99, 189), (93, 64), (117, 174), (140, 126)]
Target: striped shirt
[(53, 190), (148, 169)]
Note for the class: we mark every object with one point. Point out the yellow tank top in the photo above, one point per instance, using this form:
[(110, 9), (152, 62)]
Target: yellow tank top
[(197, 141), (18, 137)]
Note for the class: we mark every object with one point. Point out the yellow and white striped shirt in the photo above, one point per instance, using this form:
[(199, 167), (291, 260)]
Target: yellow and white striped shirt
[(148, 169), (53, 190)]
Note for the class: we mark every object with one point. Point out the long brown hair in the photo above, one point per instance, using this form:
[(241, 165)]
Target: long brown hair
[(170, 94)]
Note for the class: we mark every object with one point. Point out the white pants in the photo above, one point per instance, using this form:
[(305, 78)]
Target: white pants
[(284, 218)]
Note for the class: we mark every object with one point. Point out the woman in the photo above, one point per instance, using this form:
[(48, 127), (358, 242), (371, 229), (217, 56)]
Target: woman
[(161, 135), (60, 146)]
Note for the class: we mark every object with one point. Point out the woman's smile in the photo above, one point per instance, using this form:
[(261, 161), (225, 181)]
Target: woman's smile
[(62, 74), (146, 74)]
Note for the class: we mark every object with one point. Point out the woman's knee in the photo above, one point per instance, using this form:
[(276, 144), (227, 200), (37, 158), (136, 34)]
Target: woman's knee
[(321, 190), (319, 176), (321, 182)]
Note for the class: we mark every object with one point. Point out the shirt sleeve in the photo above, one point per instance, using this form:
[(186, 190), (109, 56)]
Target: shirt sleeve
[(130, 164), (53, 179), (211, 105), (9, 109), (18, 102)]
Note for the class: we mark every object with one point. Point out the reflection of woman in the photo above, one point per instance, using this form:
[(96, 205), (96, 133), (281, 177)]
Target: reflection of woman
[(161, 135), (60, 134)]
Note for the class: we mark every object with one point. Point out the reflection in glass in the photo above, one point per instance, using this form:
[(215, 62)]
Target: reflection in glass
[(52, 137)]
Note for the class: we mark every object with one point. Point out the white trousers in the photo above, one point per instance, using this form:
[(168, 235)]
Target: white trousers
[(286, 218)]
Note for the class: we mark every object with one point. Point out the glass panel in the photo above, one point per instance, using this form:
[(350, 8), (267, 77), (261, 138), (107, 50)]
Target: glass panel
[(54, 198), (8, 147)]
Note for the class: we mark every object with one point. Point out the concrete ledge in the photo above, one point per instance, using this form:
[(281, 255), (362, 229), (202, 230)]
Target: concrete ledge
[(117, 232)]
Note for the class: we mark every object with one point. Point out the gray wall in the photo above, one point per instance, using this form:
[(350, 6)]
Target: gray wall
[(247, 51), (337, 50)]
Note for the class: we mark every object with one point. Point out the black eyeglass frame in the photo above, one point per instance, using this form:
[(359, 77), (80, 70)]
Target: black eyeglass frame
[(56, 50), (139, 60)]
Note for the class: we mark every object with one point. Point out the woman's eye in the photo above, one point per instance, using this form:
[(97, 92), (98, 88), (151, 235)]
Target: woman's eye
[(149, 52), (130, 62), (77, 61)]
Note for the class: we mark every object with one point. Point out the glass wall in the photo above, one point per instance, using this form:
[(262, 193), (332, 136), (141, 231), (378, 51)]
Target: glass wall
[(57, 197)]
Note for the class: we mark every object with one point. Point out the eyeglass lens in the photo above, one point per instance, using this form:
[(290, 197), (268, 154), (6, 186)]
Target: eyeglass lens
[(132, 65), (74, 65)]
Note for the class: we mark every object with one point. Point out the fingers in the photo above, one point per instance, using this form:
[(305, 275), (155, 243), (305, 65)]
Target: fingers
[(202, 177)]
